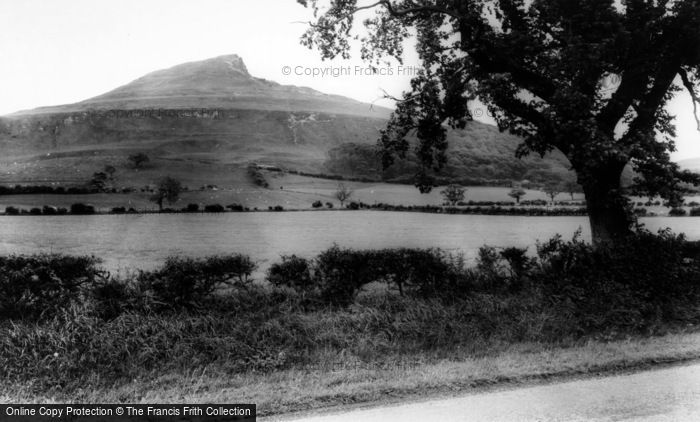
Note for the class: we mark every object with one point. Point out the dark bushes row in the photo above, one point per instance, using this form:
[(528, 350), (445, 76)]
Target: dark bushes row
[(33, 287), (490, 210), (78, 209), (45, 189), (72, 326), (608, 286), (337, 275)]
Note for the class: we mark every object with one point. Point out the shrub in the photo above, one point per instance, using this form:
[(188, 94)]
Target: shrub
[(420, 272), (11, 211), (354, 206), (188, 281), (618, 285), (341, 273), (235, 207), (113, 297), (32, 286), (677, 212), (329, 205), (640, 211), (293, 271), (118, 210), (48, 210), (35, 211), (317, 204), (214, 208), (82, 209), (192, 208), (278, 208), (695, 212)]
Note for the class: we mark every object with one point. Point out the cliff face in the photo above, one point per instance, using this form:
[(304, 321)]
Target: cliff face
[(49, 132)]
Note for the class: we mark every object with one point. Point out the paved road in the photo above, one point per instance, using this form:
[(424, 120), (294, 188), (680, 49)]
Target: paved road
[(670, 394)]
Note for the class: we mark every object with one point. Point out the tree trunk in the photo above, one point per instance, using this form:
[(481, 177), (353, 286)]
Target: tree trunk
[(608, 210)]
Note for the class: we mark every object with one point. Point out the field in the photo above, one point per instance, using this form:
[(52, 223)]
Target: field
[(287, 190)]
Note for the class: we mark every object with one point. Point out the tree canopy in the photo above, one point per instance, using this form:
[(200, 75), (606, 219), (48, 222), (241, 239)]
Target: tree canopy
[(168, 189), (591, 78)]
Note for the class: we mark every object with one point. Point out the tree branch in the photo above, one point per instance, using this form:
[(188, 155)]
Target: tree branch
[(693, 95)]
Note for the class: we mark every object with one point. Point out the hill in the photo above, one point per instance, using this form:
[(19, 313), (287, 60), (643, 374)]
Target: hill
[(692, 164), (204, 121)]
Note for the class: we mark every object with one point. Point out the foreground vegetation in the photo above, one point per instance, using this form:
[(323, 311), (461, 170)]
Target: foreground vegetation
[(357, 319)]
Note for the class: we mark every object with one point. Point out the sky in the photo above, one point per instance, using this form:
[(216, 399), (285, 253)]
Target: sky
[(63, 51)]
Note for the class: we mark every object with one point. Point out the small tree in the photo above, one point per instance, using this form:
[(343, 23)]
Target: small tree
[(138, 160), (453, 193), (168, 190), (552, 191), (99, 181), (342, 193), (517, 193)]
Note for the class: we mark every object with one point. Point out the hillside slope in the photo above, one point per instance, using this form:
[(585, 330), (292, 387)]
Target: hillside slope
[(203, 120)]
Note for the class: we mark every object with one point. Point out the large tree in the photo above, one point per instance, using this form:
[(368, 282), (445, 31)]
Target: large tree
[(591, 78)]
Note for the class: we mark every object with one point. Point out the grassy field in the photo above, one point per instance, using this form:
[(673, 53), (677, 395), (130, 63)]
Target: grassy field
[(287, 190)]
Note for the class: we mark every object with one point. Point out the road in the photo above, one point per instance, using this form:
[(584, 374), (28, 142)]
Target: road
[(669, 394)]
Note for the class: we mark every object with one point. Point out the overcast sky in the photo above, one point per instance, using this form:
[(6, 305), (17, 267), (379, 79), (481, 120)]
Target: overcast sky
[(63, 51)]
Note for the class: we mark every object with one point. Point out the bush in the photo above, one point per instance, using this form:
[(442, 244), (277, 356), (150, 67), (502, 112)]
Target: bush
[(340, 273), (11, 211), (293, 271), (118, 210), (35, 211), (187, 282), (33, 286), (618, 285), (235, 207), (677, 212), (214, 208), (82, 209), (317, 204), (695, 212), (329, 205), (421, 272), (48, 210), (192, 208)]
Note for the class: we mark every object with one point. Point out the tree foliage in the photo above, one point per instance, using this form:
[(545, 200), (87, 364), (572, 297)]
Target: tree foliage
[(516, 193), (342, 193), (453, 193), (590, 78), (168, 190)]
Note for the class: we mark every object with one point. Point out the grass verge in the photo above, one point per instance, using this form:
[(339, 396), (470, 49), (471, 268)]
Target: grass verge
[(315, 388)]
